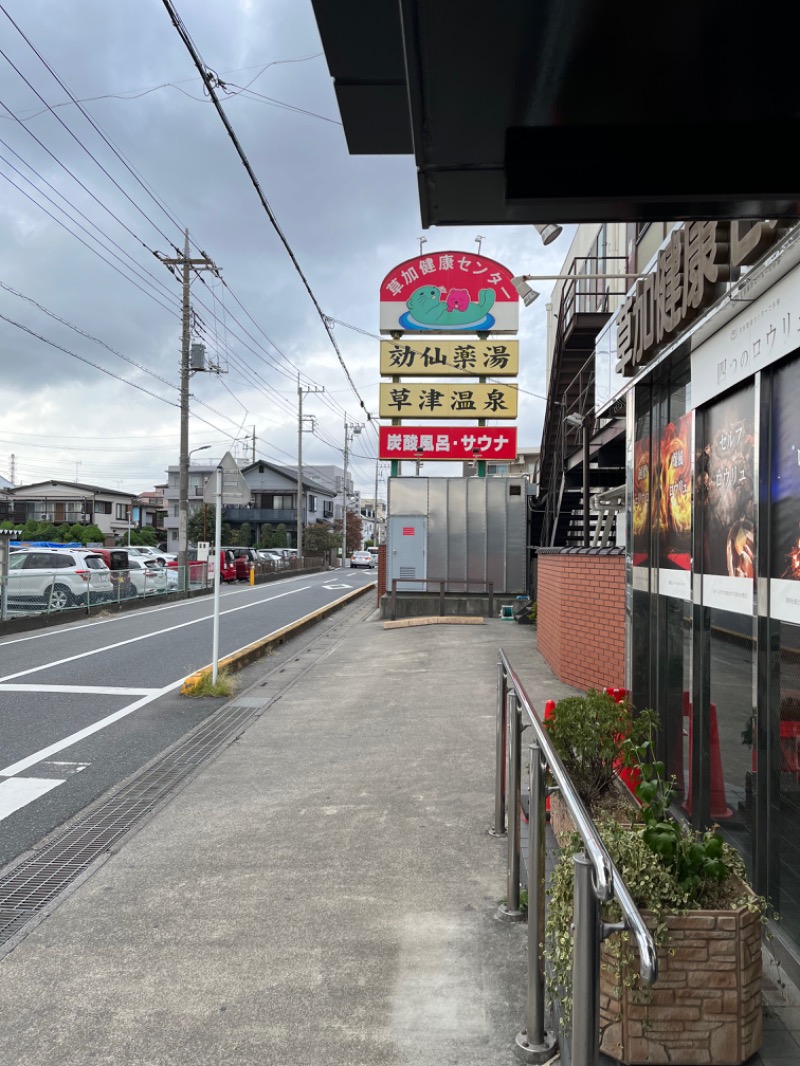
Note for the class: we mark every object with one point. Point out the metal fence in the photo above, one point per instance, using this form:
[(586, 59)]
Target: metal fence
[(25, 593), (596, 879)]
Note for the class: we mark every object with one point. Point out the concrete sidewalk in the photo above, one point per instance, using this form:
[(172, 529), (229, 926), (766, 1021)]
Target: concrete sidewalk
[(324, 891)]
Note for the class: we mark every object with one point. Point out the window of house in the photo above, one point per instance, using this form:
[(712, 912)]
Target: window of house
[(175, 510), (122, 512), (312, 502), (327, 508), (102, 507), (283, 503)]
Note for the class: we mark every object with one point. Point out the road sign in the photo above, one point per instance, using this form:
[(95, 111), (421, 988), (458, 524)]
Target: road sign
[(235, 490)]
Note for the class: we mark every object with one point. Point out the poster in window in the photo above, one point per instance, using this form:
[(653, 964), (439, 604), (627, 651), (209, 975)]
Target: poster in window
[(785, 487), (724, 469), (641, 501), (675, 508)]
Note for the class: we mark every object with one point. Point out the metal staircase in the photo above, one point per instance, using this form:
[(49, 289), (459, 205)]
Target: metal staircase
[(581, 456)]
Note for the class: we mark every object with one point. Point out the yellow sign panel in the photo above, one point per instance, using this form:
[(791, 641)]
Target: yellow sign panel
[(418, 358), (447, 399)]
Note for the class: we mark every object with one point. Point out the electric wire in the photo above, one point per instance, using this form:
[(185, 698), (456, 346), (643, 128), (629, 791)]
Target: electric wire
[(209, 80)]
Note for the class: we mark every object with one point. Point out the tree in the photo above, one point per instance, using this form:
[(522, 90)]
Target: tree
[(319, 540), (265, 540), (245, 535), (93, 535), (281, 540), (146, 537), (353, 532), (201, 524)]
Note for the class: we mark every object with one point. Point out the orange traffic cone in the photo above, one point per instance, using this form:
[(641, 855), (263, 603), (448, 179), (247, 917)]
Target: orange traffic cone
[(549, 708), (719, 802)]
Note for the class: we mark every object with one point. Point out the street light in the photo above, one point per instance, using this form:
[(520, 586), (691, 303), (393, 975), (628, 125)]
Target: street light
[(418, 456), (183, 509), (528, 295), (548, 232), (351, 429)]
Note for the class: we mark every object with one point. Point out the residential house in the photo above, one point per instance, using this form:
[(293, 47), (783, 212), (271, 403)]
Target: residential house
[(373, 520), (71, 502), (150, 509), (273, 501)]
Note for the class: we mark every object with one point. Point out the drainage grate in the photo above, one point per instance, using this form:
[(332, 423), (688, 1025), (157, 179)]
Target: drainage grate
[(29, 887)]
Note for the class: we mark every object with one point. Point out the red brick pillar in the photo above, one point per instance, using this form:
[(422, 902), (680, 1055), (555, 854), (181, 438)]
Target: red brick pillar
[(381, 571)]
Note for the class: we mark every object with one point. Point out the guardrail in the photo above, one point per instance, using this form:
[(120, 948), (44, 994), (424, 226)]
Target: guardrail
[(596, 879), (441, 582)]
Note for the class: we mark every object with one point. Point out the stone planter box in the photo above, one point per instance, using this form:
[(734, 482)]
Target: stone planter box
[(706, 1007)]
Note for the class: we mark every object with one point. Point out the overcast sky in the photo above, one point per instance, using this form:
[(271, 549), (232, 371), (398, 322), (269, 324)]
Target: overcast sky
[(109, 154)]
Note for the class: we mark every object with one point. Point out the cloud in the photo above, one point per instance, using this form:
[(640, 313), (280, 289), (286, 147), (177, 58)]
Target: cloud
[(163, 162)]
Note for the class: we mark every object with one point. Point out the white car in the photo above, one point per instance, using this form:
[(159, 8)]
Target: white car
[(273, 555), (363, 560), (56, 578), (145, 551), (147, 577)]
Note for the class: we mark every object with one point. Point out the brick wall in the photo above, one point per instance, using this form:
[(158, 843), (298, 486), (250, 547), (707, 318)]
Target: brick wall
[(381, 572), (581, 615)]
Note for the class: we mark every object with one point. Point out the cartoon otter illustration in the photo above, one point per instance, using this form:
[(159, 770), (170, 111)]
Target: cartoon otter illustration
[(429, 309)]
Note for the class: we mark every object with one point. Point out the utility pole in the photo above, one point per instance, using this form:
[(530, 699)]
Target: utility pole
[(351, 429), (186, 265), (300, 509), (254, 443), (375, 504)]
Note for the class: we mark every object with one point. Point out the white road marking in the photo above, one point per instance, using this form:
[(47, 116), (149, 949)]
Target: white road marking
[(67, 742), (145, 636), (332, 587), (128, 617), (18, 792), (85, 689)]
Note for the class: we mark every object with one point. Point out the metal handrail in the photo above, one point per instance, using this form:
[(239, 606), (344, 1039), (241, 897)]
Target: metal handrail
[(598, 856), (596, 879), (442, 582)]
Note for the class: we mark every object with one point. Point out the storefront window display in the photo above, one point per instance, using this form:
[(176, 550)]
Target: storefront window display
[(781, 760)]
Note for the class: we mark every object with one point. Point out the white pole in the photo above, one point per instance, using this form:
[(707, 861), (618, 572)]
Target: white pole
[(344, 496), (217, 570)]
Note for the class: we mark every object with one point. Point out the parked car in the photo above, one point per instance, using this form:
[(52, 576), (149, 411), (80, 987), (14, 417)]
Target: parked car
[(363, 560), (170, 573), (197, 568), (56, 578), (274, 556), (243, 558), (147, 577), (146, 551)]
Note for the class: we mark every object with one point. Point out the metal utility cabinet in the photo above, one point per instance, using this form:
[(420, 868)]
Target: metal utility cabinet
[(465, 531)]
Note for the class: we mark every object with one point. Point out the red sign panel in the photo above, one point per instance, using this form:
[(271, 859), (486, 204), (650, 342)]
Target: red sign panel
[(449, 292), (448, 442)]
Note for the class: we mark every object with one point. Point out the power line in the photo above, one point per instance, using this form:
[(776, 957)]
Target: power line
[(209, 81)]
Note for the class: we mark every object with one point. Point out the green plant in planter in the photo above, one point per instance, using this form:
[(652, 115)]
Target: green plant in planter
[(596, 738), (657, 887), (669, 869)]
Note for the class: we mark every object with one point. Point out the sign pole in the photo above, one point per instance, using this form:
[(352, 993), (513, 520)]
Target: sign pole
[(217, 574)]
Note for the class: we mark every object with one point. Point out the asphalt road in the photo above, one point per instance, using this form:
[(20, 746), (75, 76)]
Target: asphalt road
[(86, 704)]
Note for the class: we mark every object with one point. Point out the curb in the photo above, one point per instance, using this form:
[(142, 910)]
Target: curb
[(251, 652)]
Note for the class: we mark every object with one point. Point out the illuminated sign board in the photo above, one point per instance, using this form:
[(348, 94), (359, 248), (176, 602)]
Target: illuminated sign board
[(442, 399), (464, 358), (449, 292), (448, 442)]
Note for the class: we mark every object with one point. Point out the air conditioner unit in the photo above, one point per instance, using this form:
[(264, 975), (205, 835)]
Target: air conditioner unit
[(46, 517)]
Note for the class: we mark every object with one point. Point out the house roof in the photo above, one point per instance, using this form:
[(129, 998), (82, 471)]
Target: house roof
[(48, 486), (291, 474), (570, 110)]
